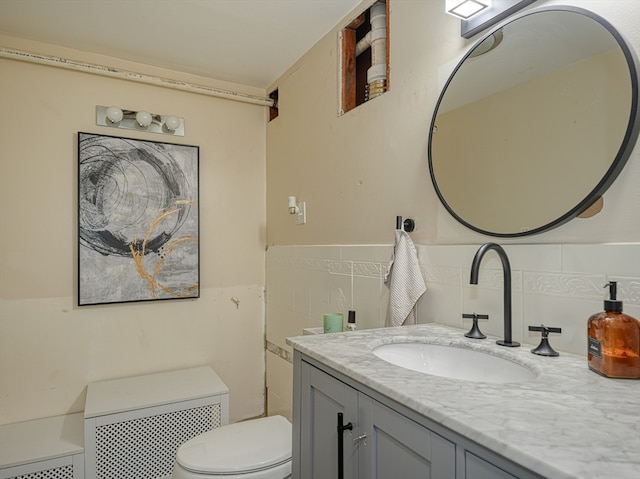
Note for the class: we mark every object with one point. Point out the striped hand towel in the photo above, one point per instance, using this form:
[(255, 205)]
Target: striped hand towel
[(404, 280)]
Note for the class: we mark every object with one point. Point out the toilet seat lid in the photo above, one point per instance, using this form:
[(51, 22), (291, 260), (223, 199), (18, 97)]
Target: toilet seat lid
[(247, 446)]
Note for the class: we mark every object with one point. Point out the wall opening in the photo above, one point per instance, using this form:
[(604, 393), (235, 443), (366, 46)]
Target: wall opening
[(364, 56), (273, 110)]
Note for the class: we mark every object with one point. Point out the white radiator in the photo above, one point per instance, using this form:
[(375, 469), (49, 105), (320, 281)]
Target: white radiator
[(64, 472), (46, 448), (133, 427)]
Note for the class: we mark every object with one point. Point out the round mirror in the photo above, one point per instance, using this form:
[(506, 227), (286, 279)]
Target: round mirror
[(535, 122)]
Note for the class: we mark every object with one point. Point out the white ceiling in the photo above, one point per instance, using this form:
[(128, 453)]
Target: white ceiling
[(251, 42)]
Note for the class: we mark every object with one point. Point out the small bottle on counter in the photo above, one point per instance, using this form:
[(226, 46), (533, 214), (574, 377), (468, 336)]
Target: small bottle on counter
[(351, 321), (614, 340)]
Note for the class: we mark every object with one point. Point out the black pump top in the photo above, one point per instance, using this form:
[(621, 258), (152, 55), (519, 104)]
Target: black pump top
[(612, 304), (352, 317)]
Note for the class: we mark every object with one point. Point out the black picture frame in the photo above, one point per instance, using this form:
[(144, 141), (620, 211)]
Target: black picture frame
[(138, 220)]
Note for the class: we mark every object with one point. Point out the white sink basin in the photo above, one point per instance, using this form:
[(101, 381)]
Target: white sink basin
[(453, 362)]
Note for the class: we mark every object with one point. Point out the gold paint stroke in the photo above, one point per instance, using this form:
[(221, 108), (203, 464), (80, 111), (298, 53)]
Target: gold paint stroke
[(138, 256)]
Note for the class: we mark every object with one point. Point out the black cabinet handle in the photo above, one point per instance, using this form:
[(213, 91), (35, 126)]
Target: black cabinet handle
[(341, 428)]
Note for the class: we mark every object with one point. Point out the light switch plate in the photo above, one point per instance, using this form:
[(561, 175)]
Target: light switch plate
[(301, 215)]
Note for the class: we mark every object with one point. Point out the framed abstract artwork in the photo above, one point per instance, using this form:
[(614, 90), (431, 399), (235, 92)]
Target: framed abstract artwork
[(138, 220)]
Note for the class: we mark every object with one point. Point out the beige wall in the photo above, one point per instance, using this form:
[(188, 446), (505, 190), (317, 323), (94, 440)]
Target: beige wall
[(358, 171), (50, 348)]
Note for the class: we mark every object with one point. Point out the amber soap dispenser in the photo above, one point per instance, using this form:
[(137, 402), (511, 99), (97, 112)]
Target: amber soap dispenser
[(614, 340)]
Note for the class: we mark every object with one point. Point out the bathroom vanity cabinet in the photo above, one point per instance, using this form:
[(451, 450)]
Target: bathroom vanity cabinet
[(386, 440), (380, 443), (407, 423)]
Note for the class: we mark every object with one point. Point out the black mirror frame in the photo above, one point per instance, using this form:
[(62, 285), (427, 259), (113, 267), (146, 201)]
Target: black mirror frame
[(617, 164)]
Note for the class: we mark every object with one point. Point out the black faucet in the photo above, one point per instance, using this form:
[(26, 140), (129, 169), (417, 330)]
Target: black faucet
[(506, 270)]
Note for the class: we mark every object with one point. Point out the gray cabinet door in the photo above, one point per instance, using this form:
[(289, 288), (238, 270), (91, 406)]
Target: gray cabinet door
[(477, 468), (322, 398), (384, 444), (397, 447)]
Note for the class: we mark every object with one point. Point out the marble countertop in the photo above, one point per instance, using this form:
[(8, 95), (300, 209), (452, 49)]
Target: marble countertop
[(568, 422)]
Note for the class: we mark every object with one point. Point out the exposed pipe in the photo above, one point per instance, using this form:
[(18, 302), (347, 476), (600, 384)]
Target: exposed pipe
[(132, 76), (363, 44), (377, 74)]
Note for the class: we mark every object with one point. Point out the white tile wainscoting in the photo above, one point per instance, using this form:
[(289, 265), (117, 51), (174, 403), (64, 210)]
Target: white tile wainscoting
[(558, 285)]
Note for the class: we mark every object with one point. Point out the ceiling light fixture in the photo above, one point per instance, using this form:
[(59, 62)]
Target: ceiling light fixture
[(498, 11), (465, 9), (116, 117)]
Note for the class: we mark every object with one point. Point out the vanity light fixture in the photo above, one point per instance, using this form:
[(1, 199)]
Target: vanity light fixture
[(495, 12), (465, 9), (116, 117)]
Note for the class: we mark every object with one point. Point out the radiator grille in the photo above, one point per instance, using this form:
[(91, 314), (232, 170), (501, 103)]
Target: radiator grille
[(63, 472), (145, 448)]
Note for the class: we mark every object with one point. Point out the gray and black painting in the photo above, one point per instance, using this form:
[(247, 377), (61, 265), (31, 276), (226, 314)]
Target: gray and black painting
[(138, 220)]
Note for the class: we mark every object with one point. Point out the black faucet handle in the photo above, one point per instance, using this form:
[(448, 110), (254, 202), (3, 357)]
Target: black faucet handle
[(545, 330), (475, 316), (474, 332), (544, 348)]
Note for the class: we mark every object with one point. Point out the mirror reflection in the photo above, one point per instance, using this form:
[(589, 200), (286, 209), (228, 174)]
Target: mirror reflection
[(535, 123)]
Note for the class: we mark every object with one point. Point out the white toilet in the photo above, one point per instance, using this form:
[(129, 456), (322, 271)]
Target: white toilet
[(254, 449)]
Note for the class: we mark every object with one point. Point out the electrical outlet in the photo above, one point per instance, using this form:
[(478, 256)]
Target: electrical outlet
[(301, 215)]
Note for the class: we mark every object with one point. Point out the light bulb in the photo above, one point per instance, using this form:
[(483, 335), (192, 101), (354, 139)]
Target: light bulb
[(293, 207), (114, 114), (172, 123), (143, 118)]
